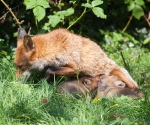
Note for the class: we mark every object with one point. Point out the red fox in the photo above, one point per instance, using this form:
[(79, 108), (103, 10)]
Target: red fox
[(64, 53), (85, 86), (111, 86)]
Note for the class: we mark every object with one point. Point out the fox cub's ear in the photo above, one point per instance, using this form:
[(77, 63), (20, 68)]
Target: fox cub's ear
[(28, 43)]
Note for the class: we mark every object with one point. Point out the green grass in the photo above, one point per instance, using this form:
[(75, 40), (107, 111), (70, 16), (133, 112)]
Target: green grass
[(22, 103)]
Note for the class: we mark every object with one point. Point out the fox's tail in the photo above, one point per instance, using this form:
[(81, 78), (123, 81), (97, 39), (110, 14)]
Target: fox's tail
[(125, 77)]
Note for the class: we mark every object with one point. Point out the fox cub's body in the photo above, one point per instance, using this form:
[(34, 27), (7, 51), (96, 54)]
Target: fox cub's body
[(84, 86), (65, 53), (112, 86)]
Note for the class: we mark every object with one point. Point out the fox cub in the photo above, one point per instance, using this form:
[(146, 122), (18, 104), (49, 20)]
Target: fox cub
[(84, 86), (64, 53), (111, 86)]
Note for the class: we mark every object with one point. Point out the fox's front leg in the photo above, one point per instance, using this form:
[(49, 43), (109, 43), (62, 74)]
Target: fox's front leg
[(60, 71), (65, 70)]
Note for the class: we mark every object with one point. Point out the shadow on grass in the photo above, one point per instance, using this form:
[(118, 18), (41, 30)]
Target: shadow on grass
[(62, 106)]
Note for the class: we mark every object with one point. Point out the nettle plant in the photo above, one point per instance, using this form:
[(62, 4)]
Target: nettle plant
[(65, 13)]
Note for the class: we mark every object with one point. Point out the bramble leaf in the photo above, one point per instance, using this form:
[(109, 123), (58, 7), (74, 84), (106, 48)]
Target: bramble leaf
[(30, 4), (139, 2), (70, 11), (33, 3), (43, 3), (39, 12), (96, 3), (86, 5), (54, 20), (137, 12), (67, 12), (131, 6), (98, 12), (46, 26)]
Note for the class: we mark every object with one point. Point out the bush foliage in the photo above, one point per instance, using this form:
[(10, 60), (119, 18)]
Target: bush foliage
[(118, 22)]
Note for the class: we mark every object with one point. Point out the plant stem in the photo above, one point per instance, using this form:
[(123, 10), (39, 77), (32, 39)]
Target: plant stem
[(129, 21), (125, 64), (77, 19), (147, 20), (17, 21)]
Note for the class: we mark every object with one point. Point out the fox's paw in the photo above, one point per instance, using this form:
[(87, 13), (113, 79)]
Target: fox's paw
[(53, 69), (48, 73)]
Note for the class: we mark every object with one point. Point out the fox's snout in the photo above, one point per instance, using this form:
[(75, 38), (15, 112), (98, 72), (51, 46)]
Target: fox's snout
[(21, 69), (18, 73)]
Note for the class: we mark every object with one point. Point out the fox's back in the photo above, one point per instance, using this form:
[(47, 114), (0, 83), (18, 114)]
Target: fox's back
[(61, 47), (94, 60), (87, 54), (57, 41)]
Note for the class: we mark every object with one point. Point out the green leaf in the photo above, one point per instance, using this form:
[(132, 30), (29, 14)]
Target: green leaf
[(98, 12), (117, 36), (54, 20), (67, 12), (146, 41), (33, 3), (131, 6), (26, 2), (96, 3), (86, 5), (39, 12), (46, 26), (43, 3), (30, 4), (137, 12), (126, 1), (139, 2), (70, 11)]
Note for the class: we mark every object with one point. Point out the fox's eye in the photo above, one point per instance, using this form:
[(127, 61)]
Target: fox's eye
[(85, 82)]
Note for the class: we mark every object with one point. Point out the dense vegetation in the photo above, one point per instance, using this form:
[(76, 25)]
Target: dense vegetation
[(123, 23), (116, 25)]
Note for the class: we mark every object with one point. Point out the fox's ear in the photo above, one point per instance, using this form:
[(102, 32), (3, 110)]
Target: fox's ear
[(98, 77), (28, 43), (21, 33), (87, 82)]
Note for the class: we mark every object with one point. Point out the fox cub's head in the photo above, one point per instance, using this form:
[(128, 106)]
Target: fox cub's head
[(25, 50)]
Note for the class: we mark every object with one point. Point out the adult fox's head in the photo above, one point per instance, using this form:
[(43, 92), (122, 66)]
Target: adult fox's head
[(25, 49)]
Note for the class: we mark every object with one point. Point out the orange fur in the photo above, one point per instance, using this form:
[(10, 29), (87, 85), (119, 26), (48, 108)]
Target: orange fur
[(130, 83), (66, 52)]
